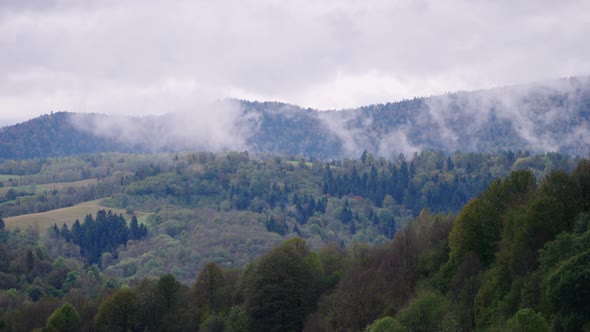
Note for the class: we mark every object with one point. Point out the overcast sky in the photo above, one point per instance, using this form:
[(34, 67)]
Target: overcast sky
[(153, 57)]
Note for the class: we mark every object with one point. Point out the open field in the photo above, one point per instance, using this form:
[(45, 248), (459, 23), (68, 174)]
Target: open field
[(5, 177), (296, 163), (39, 188), (68, 215)]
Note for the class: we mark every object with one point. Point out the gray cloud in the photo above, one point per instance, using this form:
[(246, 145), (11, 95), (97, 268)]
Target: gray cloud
[(153, 57)]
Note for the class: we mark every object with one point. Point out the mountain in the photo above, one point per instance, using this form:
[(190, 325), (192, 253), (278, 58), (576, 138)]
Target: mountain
[(540, 117), (53, 135)]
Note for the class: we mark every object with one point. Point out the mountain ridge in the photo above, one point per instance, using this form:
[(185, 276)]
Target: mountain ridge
[(539, 117)]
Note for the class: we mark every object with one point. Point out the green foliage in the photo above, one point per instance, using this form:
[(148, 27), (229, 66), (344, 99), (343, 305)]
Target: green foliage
[(32, 283), (564, 262), (567, 192), (237, 320), (163, 304), (210, 290), (386, 324), (513, 247), (527, 320), (582, 175), (167, 290), (478, 226), (441, 280), (64, 319), (228, 194), (103, 234), (213, 324), (424, 313), (117, 312), (366, 292), (568, 290), (281, 291)]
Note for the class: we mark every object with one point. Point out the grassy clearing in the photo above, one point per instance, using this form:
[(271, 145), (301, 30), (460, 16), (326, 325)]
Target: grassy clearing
[(296, 163), (6, 177), (39, 188), (68, 215)]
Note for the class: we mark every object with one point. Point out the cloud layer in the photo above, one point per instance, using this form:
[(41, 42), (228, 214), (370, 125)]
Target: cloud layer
[(153, 57)]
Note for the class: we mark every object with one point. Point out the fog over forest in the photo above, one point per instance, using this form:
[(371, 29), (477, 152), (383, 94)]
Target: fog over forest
[(316, 166)]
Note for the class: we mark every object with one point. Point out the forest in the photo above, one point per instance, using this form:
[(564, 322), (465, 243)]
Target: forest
[(242, 241), (550, 116)]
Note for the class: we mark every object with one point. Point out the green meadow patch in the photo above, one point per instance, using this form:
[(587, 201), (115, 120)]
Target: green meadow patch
[(67, 215)]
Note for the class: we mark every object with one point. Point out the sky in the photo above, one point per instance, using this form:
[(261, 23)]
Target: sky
[(139, 57)]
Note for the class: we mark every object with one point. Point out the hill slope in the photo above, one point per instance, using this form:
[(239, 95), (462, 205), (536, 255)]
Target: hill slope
[(552, 116)]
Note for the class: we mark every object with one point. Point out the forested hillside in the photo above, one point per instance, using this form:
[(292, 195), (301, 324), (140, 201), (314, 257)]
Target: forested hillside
[(439, 213), (344, 221), (294, 166), (231, 207), (544, 117), (53, 135), (298, 245)]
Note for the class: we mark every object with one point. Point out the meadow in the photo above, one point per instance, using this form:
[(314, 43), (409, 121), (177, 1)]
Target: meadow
[(68, 215)]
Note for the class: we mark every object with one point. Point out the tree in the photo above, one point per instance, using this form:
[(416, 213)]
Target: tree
[(213, 323), (364, 156), (167, 290), (478, 227), (464, 287), (386, 324), (237, 320), (103, 234), (389, 203), (150, 311), (386, 222), (10, 194), (117, 312), (210, 289), (568, 290), (134, 229), (527, 320), (280, 291), (425, 312), (64, 319), (567, 192), (582, 176)]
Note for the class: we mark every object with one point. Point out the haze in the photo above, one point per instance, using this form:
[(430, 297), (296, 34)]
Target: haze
[(155, 57)]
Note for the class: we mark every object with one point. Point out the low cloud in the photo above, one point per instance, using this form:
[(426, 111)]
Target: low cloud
[(545, 116), (213, 126), (541, 117), (357, 133)]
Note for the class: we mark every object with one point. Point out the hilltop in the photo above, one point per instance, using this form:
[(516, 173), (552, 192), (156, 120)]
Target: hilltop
[(541, 117)]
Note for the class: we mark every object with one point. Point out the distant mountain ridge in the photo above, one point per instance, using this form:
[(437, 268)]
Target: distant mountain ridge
[(551, 116)]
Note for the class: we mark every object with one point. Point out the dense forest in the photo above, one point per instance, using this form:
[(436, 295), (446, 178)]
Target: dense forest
[(103, 234), (230, 208), (541, 117), (249, 242)]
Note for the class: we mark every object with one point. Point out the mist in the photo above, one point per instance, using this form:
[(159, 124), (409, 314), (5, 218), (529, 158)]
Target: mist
[(543, 117), (546, 117), (208, 126), (550, 116)]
